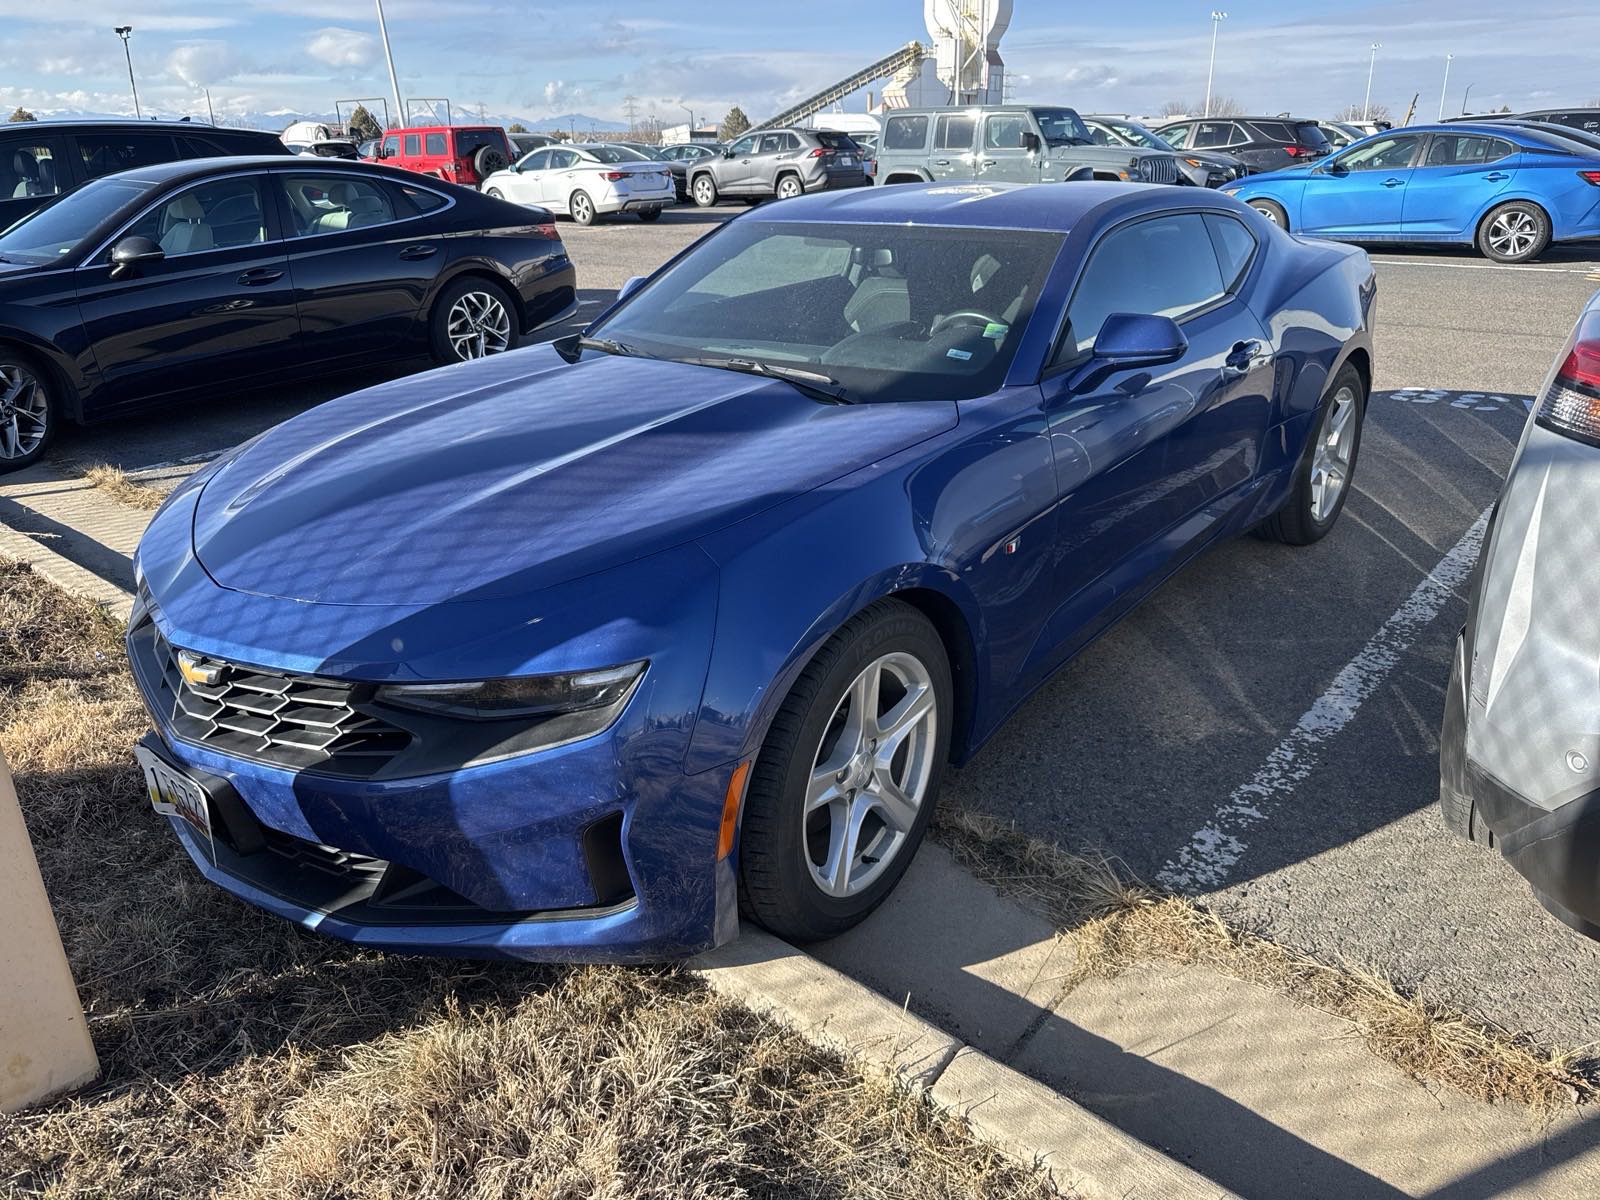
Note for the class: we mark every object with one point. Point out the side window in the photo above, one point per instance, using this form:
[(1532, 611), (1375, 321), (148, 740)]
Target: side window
[(420, 199), (537, 161), (1003, 131), (193, 147), (1235, 246), (213, 216), (104, 154), (1465, 151), (391, 146), (1162, 267), (413, 145), (1381, 154), (434, 144), (564, 160), (905, 133), (772, 143), (1273, 131), (745, 146), (1177, 136), (28, 167), (333, 203), (954, 132), (1211, 134)]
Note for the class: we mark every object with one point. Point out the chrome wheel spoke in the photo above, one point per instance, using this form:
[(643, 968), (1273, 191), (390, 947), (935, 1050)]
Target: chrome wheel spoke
[(898, 810)]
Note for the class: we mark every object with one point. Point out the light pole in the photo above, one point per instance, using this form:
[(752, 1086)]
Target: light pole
[(394, 80), (122, 32), (1217, 18), (1445, 86), (1465, 94), (690, 111), (1366, 105)]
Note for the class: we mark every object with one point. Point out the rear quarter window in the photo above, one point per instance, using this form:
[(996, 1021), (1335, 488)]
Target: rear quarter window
[(905, 133), (1272, 131)]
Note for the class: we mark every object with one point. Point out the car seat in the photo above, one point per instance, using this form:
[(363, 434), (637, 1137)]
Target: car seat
[(26, 170), (185, 225), (353, 209)]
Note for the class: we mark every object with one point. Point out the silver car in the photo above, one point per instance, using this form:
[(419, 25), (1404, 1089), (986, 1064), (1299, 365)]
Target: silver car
[(586, 181), (1519, 761)]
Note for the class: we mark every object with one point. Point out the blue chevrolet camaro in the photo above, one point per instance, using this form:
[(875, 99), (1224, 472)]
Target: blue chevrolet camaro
[(584, 650), (1509, 190)]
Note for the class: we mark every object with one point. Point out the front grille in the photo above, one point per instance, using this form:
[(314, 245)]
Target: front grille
[(296, 721), (1158, 170)]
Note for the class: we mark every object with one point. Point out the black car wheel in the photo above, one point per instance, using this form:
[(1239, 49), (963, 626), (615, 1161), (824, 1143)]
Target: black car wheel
[(1272, 211), (472, 318), (705, 191), (1326, 468), (488, 160), (581, 208), (27, 410), (1514, 232), (846, 782)]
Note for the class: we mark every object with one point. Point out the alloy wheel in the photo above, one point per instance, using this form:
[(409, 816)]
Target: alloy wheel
[(1269, 213), (1330, 460), (704, 192), (1513, 233), (788, 188), (582, 209), (478, 325), (870, 774), (24, 411)]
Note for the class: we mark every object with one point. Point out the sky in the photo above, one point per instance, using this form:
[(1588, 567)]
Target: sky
[(534, 60)]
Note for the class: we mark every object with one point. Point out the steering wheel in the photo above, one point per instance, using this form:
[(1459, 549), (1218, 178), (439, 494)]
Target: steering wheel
[(967, 315)]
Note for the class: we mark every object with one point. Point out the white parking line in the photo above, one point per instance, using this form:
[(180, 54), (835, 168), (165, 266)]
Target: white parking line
[(1215, 850), (1453, 266)]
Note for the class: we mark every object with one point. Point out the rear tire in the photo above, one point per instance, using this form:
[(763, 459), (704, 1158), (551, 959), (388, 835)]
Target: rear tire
[(1272, 211), (495, 193), (1514, 232), (1326, 471), (29, 409), (804, 874), (473, 318), (704, 189), (789, 187), (488, 160), (649, 214), (582, 208)]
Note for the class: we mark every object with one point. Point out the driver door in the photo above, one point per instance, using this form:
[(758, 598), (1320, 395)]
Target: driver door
[(527, 184), (735, 175), (1360, 193), (1002, 154)]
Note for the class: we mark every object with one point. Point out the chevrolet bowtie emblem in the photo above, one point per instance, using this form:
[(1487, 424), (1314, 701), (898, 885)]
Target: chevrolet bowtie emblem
[(197, 671)]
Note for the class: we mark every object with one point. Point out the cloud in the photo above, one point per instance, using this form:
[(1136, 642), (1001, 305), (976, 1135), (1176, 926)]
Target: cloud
[(343, 48), (559, 94), (201, 64)]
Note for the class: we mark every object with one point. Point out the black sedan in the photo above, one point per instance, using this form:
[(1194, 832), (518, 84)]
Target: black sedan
[(172, 280)]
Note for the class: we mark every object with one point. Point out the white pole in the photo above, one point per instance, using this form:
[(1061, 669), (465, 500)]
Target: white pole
[(1366, 105), (1217, 18), (1445, 86), (394, 80)]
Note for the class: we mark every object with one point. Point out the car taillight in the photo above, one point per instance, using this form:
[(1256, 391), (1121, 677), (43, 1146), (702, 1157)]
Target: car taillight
[(614, 176), (548, 230), (1572, 404), (821, 152), (1295, 151), (1590, 177)]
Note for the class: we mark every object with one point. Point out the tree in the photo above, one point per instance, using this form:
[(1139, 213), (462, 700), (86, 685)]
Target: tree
[(1174, 108), (21, 115), (1221, 106), (517, 127), (733, 124), (363, 125), (1360, 112)]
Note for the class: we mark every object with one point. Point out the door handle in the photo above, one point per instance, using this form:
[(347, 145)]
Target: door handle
[(988, 162), (1241, 359), (259, 275), (413, 253), (941, 162), (1392, 183), (1497, 176)]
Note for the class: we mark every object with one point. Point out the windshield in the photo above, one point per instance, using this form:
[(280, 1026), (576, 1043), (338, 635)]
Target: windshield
[(889, 312), (614, 154), (1062, 127), (47, 233), (1139, 135)]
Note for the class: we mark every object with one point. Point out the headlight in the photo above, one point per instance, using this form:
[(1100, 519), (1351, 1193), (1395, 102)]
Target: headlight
[(588, 701), (1229, 191), (1194, 162)]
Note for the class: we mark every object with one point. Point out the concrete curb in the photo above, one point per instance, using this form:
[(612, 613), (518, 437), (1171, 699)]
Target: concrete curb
[(1083, 1154)]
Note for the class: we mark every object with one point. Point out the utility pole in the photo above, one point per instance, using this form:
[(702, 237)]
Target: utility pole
[(1465, 94), (394, 80), (630, 109), (690, 111), (1366, 105), (211, 113), (122, 32), (1445, 86), (1217, 18)]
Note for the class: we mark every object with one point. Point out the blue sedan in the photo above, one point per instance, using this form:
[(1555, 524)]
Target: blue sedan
[(585, 650), (1511, 191)]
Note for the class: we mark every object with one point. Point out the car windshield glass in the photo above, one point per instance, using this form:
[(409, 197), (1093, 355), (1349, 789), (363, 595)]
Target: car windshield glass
[(889, 312), (614, 154), (48, 233), (1062, 127), (1139, 135)]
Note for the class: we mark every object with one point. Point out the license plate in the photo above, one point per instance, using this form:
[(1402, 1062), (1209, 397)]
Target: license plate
[(174, 794), (847, 160)]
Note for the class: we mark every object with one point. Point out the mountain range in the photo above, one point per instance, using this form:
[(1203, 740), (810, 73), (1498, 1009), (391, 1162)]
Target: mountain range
[(279, 119)]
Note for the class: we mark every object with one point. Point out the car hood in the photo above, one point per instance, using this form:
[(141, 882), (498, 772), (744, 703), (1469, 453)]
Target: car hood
[(521, 471), (1285, 173)]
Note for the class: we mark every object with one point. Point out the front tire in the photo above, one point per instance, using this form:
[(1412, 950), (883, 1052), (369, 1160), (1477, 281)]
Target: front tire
[(705, 191), (1272, 211), (28, 410), (1514, 233), (1327, 465), (846, 782), (472, 318)]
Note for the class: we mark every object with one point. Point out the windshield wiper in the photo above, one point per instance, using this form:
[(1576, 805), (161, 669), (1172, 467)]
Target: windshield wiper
[(572, 346), (815, 384)]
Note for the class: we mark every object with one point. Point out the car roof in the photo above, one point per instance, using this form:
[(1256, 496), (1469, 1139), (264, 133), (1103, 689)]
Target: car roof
[(1055, 208), (183, 170), (165, 124), (1529, 133)]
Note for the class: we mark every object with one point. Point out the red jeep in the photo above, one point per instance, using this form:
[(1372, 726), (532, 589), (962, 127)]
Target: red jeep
[(464, 154)]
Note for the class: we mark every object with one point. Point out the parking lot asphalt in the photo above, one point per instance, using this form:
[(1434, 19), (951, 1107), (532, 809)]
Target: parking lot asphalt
[(1263, 731)]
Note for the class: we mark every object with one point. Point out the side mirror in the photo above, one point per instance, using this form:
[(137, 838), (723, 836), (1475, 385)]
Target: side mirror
[(727, 153), (130, 252), (1030, 141), (1129, 341), (1333, 167), (631, 286)]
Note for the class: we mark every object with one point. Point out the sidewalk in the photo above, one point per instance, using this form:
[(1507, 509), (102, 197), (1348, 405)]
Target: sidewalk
[(1262, 1097)]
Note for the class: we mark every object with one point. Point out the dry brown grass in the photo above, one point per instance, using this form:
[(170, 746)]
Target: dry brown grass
[(120, 488), (244, 1058), (1116, 923)]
